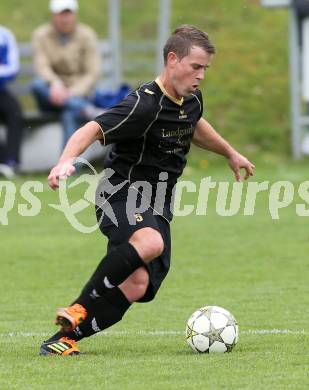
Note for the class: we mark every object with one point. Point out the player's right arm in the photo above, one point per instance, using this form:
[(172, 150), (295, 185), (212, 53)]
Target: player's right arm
[(76, 145)]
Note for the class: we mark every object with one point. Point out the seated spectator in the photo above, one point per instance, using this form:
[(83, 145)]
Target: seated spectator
[(10, 109), (67, 63)]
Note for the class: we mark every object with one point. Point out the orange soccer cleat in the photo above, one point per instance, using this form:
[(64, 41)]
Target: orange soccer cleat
[(62, 347), (70, 317)]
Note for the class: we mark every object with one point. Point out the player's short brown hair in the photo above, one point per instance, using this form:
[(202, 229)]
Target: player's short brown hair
[(183, 38)]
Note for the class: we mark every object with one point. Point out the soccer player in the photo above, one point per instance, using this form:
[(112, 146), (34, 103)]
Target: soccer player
[(151, 131)]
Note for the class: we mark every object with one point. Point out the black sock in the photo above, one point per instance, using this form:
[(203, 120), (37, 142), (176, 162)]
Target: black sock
[(58, 335), (116, 266), (108, 310)]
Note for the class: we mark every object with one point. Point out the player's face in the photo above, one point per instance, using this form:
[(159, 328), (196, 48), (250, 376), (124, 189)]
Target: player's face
[(187, 73), (64, 22)]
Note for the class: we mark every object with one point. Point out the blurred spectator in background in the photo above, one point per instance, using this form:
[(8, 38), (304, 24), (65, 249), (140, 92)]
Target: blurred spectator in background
[(67, 63), (10, 109)]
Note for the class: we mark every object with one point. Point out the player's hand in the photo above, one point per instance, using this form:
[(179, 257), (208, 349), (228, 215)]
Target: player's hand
[(238, 162), (58, 94), (60, 171)]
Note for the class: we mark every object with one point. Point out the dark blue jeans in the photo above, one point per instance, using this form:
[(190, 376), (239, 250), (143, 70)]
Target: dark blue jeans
[(71, 114), (11, 116)]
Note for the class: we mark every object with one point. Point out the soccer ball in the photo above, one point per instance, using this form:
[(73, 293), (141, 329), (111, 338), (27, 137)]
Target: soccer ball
[(212, 329)]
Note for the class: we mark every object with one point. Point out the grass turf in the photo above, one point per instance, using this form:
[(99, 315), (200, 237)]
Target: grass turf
[(254, 266)]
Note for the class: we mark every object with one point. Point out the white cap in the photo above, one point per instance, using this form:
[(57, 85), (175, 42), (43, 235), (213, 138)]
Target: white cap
[(57, 6)]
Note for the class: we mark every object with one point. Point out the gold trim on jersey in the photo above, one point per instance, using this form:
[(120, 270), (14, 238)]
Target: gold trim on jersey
[(173, 99), (198, 101), (127, 117)]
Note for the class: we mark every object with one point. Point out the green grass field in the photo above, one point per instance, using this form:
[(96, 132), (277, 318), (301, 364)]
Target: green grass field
[(254, 266)]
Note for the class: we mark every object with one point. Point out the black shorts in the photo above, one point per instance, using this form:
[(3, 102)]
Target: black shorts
[(157, 268)]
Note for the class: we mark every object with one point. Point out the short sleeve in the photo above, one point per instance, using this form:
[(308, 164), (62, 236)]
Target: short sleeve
[(128, 120)]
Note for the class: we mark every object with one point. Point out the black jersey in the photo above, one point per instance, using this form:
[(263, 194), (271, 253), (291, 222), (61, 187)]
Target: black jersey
[(151, 133)]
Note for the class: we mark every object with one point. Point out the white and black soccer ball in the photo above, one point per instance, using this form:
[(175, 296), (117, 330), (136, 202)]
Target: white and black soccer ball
[(212, 329)]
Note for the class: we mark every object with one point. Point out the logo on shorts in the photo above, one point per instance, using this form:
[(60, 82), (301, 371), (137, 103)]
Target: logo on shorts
[(94, 325), (138, 217)]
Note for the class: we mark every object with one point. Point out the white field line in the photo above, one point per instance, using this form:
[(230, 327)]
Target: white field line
[(155, 333)]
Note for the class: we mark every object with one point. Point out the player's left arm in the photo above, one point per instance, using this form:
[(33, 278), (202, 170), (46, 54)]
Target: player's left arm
[(206, 137)]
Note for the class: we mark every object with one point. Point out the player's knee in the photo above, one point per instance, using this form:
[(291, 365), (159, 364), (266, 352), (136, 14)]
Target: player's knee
[(148, 242), (135, 286), (139, 291), (154, 243)]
